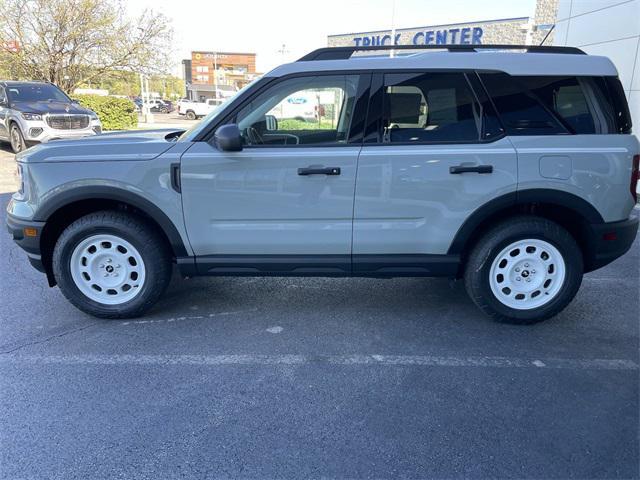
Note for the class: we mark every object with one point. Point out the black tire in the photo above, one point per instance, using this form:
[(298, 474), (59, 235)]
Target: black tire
[(478, 268), (191, 115), (145, 238), (16, 139)]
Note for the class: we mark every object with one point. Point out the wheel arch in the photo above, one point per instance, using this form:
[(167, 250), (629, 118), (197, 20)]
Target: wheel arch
[(60, 211), (570, 211)]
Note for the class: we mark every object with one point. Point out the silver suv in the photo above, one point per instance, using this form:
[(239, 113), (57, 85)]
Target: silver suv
[(515, 171), (35, 112)]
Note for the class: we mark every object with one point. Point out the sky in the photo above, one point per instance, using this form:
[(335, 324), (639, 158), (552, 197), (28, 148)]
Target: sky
[(263, 26)]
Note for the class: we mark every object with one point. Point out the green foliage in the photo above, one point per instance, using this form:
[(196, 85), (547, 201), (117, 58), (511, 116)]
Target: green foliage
[(115, 113), (296, 124)]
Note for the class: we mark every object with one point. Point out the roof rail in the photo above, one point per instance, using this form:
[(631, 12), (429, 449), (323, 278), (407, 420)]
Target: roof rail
[(344, 53)]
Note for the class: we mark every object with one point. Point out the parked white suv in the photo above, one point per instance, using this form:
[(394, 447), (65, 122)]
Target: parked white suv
[(35, 112)]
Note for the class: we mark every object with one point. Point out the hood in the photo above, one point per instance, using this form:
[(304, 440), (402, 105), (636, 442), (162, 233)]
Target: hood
[(132, 145), (49, 107)]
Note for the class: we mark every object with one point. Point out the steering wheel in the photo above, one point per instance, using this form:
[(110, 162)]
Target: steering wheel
[(254, 136)]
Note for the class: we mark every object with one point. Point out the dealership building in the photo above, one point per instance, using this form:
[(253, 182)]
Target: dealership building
[(515, 31)]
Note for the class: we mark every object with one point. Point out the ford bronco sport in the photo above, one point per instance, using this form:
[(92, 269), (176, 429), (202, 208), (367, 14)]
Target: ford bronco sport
[(514, 170)]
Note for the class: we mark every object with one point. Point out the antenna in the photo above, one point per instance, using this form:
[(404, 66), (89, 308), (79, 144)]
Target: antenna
[(548, 33)]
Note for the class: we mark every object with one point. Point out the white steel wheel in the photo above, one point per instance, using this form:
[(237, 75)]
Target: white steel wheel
[(107, 269), (527, 274)]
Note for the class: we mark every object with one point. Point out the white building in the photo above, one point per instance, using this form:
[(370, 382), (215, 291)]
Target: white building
[(610, 28)]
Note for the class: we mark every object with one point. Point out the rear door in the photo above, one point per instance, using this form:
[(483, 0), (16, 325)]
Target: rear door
[(287, 197), (433, 154)]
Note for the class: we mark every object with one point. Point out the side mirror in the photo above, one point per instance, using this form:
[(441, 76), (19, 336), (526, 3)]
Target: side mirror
[(228, 139), (271, 122)]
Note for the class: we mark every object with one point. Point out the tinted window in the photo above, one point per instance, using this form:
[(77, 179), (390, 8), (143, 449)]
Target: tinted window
[(544, 105), (618, 104), (38, 92), (519, 110), (580, 102), (301, 111), (429, 108)]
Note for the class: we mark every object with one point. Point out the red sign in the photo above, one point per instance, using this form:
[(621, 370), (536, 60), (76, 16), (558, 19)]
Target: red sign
[(12, 46)]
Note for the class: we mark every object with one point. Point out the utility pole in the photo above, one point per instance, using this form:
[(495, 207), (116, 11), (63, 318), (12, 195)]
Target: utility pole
[(392, 52), (215, 74)]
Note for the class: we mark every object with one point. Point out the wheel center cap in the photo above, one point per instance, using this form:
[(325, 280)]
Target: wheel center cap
[(525, 273), (109, 268)]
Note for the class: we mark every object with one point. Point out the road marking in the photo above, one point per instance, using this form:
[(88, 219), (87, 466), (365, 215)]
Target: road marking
[(275, 329), (294, 359), (187, 317)]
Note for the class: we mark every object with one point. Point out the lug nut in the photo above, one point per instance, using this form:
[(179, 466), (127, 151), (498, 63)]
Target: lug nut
[(517, 269), (528, 279), (533, 271), (518, 279), (108, 260), (526, 264)]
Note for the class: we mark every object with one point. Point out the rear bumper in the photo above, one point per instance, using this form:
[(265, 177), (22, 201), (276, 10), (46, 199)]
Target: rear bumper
[(611, 240), (30, 244)]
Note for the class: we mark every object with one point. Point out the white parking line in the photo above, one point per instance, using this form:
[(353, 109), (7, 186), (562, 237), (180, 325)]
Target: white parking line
[(187, 317), (293, 359)]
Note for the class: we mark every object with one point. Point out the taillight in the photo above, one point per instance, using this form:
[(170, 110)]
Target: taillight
[(635, 176)]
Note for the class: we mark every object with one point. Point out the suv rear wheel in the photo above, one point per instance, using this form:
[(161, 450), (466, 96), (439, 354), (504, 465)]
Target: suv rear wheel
[(111, 265), (191, 115), (524, 270)]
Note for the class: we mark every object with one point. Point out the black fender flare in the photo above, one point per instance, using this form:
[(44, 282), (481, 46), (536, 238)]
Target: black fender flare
[(93, 192), (512, 200)]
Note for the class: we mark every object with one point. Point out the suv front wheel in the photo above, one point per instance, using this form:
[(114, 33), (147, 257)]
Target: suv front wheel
[(524, 270), (16, 138), (111, 264)]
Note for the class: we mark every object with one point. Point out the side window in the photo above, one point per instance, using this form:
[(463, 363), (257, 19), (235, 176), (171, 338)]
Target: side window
[(315, 110), (551, 105), (3, 96), (520, 112), (430, 108), (578, 101)]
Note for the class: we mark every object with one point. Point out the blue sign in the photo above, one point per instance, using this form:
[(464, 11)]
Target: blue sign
[(459, 36)]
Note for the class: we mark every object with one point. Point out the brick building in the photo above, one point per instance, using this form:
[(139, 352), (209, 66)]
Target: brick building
[(217, 74)]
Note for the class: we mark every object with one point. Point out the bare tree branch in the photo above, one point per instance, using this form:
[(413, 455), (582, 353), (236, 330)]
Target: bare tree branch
[(71, 42)]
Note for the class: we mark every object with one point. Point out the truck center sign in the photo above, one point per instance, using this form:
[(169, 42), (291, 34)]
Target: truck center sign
[(505, 30), (462, 36)]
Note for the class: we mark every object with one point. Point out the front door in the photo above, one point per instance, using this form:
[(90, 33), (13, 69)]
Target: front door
[(284, 204)]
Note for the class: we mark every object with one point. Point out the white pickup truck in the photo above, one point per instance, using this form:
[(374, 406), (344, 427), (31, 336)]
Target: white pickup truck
[(193, 110)]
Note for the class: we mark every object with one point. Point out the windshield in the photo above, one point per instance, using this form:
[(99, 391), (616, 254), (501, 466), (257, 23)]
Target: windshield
[(36, 92), (193, 131)]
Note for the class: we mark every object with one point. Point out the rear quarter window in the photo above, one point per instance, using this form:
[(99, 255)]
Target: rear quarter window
[(552, 105)]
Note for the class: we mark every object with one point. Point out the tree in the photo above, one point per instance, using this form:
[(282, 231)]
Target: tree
[(73, 42)]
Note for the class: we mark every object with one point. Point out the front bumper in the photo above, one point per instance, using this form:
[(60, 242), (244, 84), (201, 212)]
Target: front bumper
[(611, 240), (27, 235), (40, 132)]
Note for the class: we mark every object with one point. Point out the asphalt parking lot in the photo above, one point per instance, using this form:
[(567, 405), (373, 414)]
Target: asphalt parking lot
[(301, 378)]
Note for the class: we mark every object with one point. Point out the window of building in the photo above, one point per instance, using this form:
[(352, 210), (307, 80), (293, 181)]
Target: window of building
[(301, 111), (430, 108), (202, 69)]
